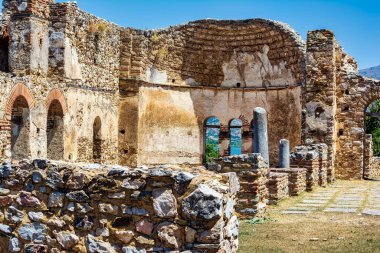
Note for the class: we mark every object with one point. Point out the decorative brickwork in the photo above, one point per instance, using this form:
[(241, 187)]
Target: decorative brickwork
[(17, 91), (56, 94)]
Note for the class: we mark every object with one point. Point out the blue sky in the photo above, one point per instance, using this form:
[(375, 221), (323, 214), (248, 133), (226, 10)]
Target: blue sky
[(356, 23)]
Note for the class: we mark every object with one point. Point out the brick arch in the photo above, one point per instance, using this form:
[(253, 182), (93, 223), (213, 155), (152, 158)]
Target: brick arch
[(56, 94), (17, 91), (366, 98)]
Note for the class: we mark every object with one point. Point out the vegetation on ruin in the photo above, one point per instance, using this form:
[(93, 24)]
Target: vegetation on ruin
[(98, 28), (372, 125), (155, 37), (162, 53)]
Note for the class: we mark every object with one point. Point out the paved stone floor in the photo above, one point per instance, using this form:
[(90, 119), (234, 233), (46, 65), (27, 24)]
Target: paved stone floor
[(357, 197)]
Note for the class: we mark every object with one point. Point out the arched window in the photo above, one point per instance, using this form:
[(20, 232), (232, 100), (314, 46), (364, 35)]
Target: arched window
[(97, 140), (54, 131), (212, 133), (235, 136), (20, 123)]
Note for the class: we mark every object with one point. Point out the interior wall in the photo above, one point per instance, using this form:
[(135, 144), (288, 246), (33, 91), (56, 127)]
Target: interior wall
[(171, 120)]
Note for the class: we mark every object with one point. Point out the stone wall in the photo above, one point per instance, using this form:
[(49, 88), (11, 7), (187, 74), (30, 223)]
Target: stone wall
[(278, 187), (313, 159), (5, 137), (320, 92), (336, 98), (252, 171), (371, 163), (47, 207), (153, 90), (178, 77), (170, 120), (71, 57), (296, 178), (216, 53), (354, 95)]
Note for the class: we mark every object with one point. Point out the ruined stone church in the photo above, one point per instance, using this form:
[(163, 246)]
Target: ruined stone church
[(77, 88)]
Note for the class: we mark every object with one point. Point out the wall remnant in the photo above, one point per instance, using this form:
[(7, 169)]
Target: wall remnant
[(252, 170), (74, 207)]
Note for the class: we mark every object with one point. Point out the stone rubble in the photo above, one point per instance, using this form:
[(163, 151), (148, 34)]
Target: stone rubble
[(252, 171), (175, 209)]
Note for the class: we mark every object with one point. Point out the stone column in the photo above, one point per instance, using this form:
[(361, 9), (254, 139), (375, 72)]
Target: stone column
[(284, 161), (260, 129)]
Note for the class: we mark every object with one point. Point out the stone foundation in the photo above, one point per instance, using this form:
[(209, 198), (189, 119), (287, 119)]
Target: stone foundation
[(278, 186), (371, 163), (296, 179), (48, 207), (252, 171), (314, 159), (374, 170)]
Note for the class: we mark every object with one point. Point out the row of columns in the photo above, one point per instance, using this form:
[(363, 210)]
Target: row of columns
[(260, 141)]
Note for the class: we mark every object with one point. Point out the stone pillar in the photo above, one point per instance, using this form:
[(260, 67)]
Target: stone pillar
[(320, 101), (260, 137), (29, 36), (284, 159)]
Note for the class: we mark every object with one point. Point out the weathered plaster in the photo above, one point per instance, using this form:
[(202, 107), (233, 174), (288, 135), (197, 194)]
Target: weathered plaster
[(255, 70)]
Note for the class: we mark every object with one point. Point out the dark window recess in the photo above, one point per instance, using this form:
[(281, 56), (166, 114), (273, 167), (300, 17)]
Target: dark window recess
[(340, 133), (173, 80), (238, 85), (4, 50), (126, 151), (96, 41), (318, 112), (122, 131), (347, 92), (346, 109)]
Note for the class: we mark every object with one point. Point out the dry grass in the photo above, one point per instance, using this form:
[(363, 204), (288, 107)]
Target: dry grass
[(335, 233), (296, 233)]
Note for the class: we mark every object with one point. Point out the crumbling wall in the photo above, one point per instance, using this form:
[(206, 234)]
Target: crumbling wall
[(319, 123), (248, 53), (171, 120), (313, 158), (78, 55), (253, 172), (70, 207), (354, 95), (371, 163), (296, 178)]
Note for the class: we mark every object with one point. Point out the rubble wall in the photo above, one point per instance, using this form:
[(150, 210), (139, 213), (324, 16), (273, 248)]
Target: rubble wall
[(49, 207), (253, 173), (354, 94), (77, 65)]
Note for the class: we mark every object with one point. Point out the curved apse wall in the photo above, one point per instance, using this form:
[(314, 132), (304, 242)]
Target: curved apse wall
[(247, 53)]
